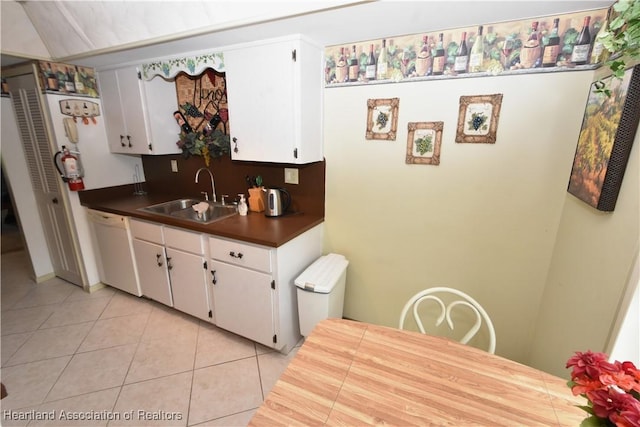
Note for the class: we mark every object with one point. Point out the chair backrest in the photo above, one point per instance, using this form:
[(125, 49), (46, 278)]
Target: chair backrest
[(460, 299)]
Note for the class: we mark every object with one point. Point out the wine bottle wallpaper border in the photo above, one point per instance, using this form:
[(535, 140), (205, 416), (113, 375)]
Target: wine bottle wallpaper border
[(68, 79), (547, 44)]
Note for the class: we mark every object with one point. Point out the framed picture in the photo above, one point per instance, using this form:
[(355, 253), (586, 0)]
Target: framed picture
[(423, 142), (608, 128), (478, 118), (382, 118)]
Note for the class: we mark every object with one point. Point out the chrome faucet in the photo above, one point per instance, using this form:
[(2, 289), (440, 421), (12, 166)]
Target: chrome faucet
[(213, 186)]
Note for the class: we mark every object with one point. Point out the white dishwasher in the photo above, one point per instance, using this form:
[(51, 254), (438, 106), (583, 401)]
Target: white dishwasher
[(114, 251)]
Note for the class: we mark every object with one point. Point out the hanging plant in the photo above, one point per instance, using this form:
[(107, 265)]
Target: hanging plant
[(206, 112), (622, 39), (196, 143)]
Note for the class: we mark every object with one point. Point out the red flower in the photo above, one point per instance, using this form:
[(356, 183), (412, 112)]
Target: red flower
[(589, 364), (609, 401), (620, 379), (613, 389), (629, 415), (584, 385)]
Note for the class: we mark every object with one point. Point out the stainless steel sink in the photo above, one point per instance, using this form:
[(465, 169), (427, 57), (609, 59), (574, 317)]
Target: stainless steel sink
[(182, 209)]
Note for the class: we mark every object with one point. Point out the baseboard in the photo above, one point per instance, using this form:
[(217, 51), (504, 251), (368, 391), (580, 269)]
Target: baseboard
[(94, 287), (45, 277)]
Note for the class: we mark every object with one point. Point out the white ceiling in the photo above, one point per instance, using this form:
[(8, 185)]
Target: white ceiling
[(103, 33)]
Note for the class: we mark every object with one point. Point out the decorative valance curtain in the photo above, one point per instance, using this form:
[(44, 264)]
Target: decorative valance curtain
[(193, 65)]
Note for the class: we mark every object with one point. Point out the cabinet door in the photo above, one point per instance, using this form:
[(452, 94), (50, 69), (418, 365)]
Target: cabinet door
[(132, 102), (188, 283), (275, 100), (260, 87), (243, 302), (113, 114), (152, 271), (160, 101)]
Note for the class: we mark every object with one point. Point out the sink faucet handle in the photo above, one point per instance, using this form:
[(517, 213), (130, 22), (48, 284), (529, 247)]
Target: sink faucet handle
[(206, 195), (222, 196)]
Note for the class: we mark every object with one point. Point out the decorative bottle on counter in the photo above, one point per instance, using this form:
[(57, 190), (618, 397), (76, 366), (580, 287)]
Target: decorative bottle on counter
[(242, 206)]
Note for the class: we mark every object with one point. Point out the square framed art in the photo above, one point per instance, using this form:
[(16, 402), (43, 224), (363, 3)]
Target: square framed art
[(608, 128), (382, 118), (423, 142), (478, 118)]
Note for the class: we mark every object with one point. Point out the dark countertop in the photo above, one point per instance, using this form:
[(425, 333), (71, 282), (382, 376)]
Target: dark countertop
[(253, 228)]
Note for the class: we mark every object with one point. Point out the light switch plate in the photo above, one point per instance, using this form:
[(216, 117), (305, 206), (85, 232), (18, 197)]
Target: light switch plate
[(290, 176), (174, 166)]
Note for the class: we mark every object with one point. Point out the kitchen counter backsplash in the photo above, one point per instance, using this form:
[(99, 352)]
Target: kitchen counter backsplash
[(306, 211), (230, 178)]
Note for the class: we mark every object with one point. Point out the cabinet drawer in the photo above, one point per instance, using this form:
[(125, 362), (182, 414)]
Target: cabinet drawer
[(184, 240), (147, 231), (240, 253)]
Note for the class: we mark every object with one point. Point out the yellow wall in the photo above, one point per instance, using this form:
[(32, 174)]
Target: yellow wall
[(485, 220), (591, 263)]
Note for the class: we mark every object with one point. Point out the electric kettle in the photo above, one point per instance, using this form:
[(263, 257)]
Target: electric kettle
[(276, 201)]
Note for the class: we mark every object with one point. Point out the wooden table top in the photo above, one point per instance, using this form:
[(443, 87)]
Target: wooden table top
[(349, 373)]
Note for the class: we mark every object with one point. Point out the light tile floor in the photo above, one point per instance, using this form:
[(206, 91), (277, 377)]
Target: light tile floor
[(111, 359)]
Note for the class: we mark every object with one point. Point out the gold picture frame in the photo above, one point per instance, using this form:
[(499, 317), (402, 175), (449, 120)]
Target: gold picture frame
[(423, 142), (478, 118), (382, 118)]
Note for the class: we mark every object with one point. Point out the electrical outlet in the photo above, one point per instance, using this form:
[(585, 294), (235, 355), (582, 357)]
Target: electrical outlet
[(174, 166), (290, 176)]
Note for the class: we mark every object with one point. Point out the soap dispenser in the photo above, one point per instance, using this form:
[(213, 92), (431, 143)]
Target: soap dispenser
[(242, 205)]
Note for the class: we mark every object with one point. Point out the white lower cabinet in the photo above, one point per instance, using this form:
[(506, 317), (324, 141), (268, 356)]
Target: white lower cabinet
[(244, 302), (187, 267), (252, 287), (172, 267), (245, 288), (151, 261)]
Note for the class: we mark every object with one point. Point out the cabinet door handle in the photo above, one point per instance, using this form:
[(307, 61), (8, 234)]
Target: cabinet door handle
[(213, 274), (129, 139), (234, 255), (169, 266), (159, 259), (121, 140), (235, 144)]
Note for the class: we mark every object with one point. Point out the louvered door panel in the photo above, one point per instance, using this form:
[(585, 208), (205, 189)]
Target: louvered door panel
[(44, 178), (27, 135), (43, 147)]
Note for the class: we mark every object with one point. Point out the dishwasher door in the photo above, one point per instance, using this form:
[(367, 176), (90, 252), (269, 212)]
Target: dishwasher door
[(115, 251)]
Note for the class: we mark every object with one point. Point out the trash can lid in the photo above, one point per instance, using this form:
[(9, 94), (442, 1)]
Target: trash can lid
[(323, 274)]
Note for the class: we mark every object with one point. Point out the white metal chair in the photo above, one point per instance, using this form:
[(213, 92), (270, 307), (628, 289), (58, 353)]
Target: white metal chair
[(459, 299)]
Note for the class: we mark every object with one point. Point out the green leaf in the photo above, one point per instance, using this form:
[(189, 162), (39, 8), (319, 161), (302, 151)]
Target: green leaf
[(593, 422), (618, 22)]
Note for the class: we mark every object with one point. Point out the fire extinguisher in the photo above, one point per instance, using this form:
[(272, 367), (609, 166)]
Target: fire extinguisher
[(70, 168)]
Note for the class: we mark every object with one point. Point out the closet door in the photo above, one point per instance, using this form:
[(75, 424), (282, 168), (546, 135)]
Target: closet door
[(45, 180)]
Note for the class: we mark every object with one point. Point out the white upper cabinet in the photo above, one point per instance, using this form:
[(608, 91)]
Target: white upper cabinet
[(138, 114), (274, 90)]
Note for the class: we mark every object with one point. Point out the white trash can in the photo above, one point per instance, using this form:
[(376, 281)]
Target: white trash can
[(321, 291)]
